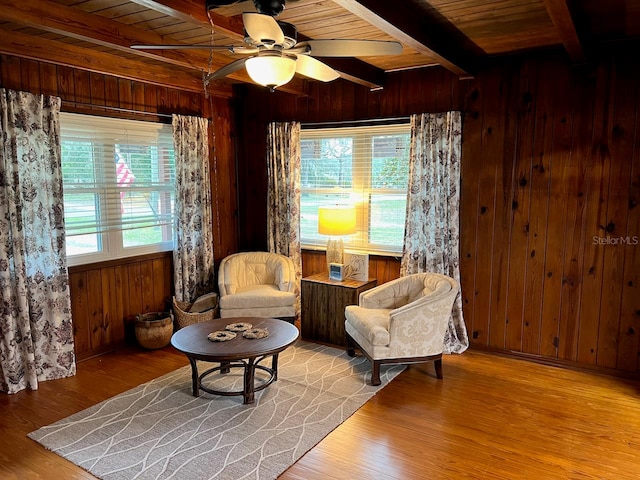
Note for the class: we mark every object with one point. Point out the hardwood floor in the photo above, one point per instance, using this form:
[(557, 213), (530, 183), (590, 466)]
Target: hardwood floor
[(490, 418)]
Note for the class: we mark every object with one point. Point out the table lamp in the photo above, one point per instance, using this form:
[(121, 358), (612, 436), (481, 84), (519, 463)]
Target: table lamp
[(336, 221)]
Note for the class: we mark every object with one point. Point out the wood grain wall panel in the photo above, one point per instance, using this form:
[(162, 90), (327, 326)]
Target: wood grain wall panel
[(11, 72), (150, 99), (112, 92), (30, 72), (504, 138), (125, 95), (82, 86), (146, 273), (573, 183), (66, 86), (80, 311), (48, 79), (539, 182), (519, 203), (120, 292), (469, 174), (629, 338), (595, 219), (313, 262), (105, 298), (109, 304), (487, 156), (162, 97), (133, 298), (98, 94), (95, 310), (621, 144), (223, 177), (552, 291), (550, 160), (137, 98)]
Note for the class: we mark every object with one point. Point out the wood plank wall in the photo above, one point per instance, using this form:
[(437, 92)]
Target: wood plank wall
[(550, 221), (106, 297)]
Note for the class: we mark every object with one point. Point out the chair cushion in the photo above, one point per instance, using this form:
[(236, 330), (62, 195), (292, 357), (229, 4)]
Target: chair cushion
[(258, 296), (371, 323), (269, 312)]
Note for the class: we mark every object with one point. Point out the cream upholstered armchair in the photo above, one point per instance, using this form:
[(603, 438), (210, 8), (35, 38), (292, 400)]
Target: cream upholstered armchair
[(257, 284), (402, 321)]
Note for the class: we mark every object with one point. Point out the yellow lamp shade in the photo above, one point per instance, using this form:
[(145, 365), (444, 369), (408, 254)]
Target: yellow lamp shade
[(336, 221)]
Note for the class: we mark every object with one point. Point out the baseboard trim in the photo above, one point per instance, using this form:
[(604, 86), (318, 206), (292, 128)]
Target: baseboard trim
[(553, 362)]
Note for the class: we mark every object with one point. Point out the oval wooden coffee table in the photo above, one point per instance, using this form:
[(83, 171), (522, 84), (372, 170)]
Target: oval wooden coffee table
[(239, 352)]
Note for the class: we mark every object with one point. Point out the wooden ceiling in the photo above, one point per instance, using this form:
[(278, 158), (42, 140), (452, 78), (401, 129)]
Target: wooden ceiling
[(457, 34)]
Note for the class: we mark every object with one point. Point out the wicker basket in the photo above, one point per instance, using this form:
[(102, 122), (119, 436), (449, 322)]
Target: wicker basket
[(154, 329), (184, 318)]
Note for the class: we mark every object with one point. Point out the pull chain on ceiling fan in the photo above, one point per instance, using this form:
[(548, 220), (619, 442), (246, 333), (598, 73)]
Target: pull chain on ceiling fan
[(276, 55)]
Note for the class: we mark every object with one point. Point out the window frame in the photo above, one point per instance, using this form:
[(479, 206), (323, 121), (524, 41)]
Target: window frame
[(362, 161), (110, 239)]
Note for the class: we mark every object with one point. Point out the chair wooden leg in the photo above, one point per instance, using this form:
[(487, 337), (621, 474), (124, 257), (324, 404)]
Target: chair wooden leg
[(375, 372), (438, 365), (351, 349)]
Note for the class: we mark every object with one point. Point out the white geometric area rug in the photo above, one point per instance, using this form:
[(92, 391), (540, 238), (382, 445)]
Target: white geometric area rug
[(158, 430)]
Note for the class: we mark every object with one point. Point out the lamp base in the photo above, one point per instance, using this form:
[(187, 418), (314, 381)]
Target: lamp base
[(335, 247)]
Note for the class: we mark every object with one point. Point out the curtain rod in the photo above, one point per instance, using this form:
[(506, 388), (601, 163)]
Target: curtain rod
[(370, 121), (116, 109)]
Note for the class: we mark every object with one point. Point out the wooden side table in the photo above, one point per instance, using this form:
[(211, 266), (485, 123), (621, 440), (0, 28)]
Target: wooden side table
[(323, 304)]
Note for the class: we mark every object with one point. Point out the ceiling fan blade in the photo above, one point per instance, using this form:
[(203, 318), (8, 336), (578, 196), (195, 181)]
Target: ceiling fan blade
[(227, 69), (312, 68), (262, 28), (182, 47), (351, 48)]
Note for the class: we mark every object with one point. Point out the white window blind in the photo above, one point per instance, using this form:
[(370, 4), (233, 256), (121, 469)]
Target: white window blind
[(119, 182), (364, 167)]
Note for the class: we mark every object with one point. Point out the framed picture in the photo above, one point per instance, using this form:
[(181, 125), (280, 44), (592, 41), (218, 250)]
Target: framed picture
[(336, 271), (356, 266)]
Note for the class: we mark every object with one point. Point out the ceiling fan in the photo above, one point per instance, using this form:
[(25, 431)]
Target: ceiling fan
[(275, 55)]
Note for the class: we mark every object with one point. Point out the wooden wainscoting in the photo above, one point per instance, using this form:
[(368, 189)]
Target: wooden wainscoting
[(106, 297), (381, 268)]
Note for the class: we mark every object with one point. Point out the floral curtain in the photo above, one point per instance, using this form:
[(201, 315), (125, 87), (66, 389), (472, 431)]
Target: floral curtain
[(36, 341), (432, 234), (283, 195), (194, 273)]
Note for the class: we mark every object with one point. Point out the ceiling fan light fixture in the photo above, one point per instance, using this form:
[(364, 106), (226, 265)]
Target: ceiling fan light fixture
[(271, 71)]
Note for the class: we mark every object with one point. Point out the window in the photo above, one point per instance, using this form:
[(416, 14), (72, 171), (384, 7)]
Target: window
[(119, 178), (366, 167)]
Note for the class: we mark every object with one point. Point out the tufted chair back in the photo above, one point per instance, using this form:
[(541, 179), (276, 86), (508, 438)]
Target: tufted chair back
[(248, 269)]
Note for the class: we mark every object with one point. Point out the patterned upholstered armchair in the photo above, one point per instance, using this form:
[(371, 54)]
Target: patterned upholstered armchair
[(257, 284), (402, 321)]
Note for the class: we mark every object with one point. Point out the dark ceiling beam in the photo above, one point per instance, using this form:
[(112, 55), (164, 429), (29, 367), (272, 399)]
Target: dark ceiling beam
[(55, 18), (193, 12), (561, 17), (52, 17), (60, 53), (422, 28)]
